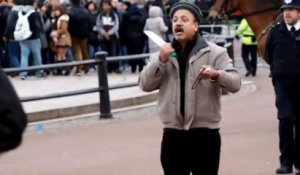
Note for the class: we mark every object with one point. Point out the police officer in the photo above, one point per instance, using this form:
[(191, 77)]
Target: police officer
[(249, 47), (283, 55)]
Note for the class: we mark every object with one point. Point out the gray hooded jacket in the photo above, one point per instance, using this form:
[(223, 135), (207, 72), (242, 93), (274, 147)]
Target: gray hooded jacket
[(155, 23), (202, 104)]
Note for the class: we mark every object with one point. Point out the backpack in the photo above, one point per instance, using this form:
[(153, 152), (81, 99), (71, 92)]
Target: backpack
[(22, 29)]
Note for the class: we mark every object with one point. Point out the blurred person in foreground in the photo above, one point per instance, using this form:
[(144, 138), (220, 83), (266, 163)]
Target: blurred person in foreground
[(13, 120), (189, 87)]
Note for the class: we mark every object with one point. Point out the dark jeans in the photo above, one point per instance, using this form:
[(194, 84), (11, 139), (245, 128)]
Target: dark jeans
[(196, 151), (287, 103), (14, 53), (48, 57), (2, 56), (250, 64), (93, 49), (110, 46)]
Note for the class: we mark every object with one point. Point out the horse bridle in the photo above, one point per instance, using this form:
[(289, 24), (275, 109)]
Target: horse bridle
[(222, 12), (229, 3)]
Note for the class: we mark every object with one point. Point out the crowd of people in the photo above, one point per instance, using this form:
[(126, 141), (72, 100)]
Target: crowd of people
[(66, 31)]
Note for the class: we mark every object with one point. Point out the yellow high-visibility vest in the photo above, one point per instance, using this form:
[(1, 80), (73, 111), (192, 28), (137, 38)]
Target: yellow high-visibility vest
[(246, 33)]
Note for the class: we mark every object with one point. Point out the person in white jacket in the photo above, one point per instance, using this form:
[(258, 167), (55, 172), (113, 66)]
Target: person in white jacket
[(156, 24)]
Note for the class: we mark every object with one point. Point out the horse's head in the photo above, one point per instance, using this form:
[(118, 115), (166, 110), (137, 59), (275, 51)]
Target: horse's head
[(223, 8)]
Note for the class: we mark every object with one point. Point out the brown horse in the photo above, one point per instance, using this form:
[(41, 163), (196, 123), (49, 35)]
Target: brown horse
[(260, 15)]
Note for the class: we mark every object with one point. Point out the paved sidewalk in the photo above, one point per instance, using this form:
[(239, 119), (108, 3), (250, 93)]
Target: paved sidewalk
[(130, 143), (74, 105)]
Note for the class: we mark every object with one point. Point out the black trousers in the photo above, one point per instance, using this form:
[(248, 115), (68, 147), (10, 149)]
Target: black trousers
[(250, 64), (2, 55), (195, 151), (288, 107), (136, 49)]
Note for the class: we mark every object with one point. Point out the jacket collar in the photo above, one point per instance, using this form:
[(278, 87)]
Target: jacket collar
[(297, 26), (199, 47), (283, 27), (198, 44)]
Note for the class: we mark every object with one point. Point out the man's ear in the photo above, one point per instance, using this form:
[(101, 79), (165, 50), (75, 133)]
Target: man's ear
[(196, 26)]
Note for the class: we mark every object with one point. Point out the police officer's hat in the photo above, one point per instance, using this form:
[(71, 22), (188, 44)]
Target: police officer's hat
[(291, 4)]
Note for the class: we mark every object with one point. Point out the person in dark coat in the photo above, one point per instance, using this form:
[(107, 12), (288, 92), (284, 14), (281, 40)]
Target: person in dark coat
[(13, 50), (283, 55), (108, 27), (79, 30), (13, 120), (4, 10), (132, 34), (93, 40)]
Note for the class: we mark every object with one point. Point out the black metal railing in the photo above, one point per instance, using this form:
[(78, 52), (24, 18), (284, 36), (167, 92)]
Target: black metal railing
[(101, 60), (103, 88)]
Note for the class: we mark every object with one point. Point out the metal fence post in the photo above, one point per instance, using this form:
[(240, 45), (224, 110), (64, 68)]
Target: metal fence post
[(230, 49), (105, 110)]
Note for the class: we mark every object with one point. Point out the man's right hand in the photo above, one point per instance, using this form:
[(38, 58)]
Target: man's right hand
[(165, 51)]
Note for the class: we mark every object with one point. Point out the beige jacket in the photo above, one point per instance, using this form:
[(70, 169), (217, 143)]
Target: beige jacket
[(202, 104)]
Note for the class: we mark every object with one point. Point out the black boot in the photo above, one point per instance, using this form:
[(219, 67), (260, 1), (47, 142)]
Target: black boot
[(297, 171), (58, 71), (284, 170), (67, 70), (247, 74)]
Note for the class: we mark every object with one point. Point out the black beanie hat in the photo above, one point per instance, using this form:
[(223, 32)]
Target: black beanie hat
[(187, 6)]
